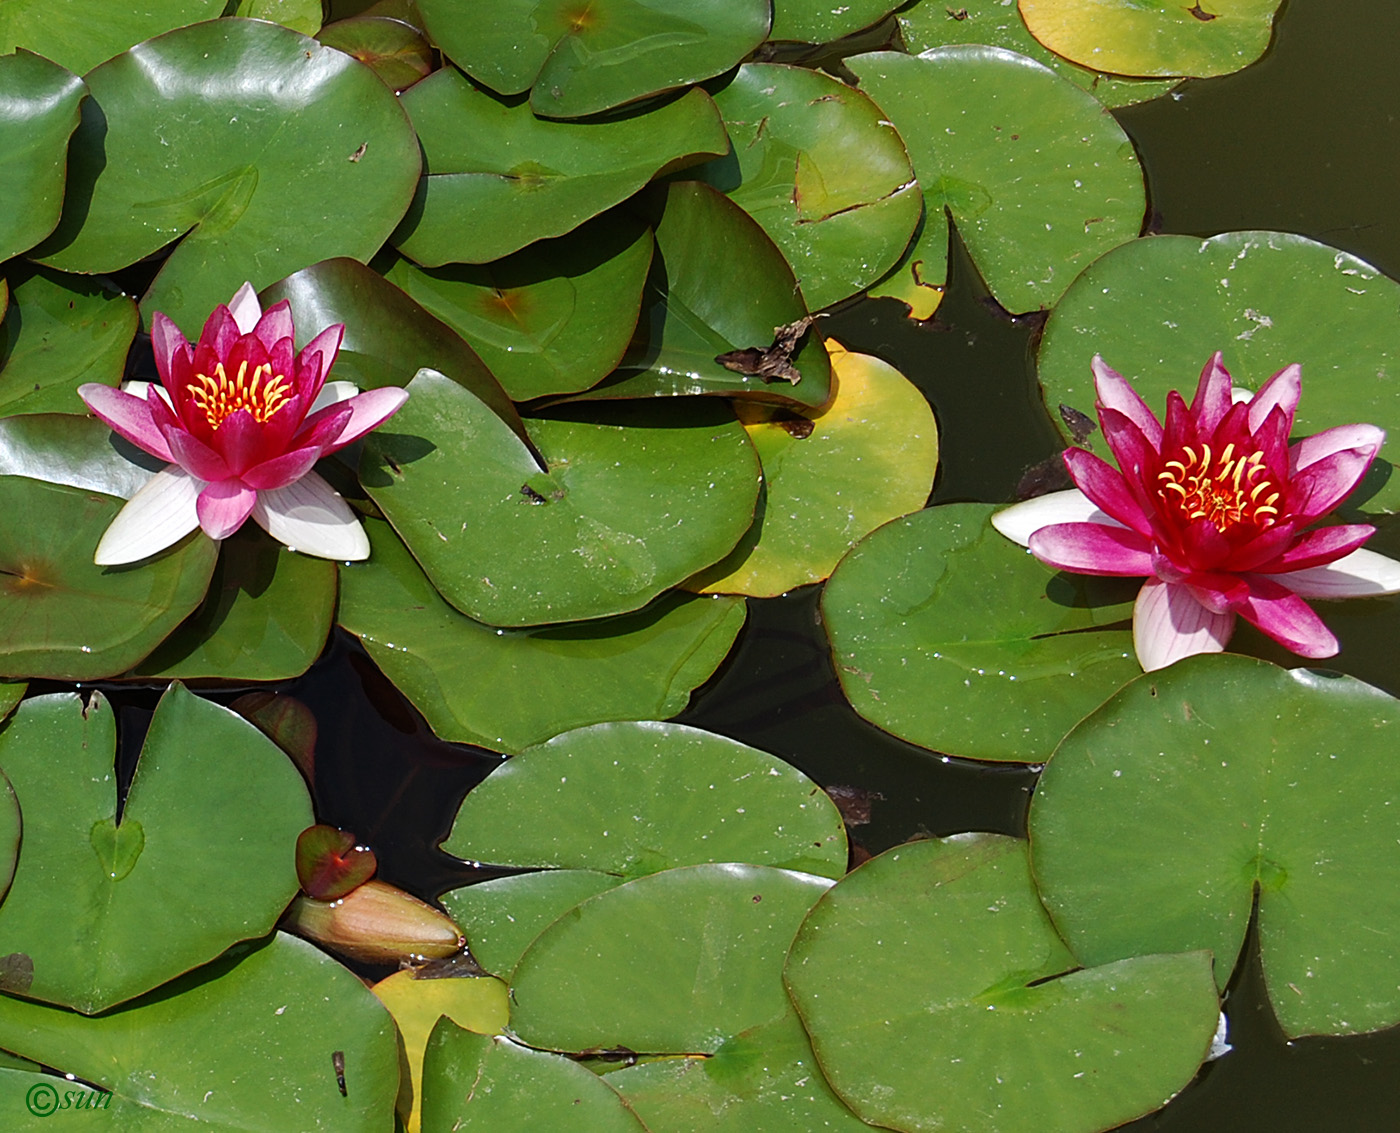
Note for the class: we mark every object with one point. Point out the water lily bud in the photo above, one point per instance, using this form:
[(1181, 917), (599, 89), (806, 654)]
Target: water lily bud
[(376, 923)]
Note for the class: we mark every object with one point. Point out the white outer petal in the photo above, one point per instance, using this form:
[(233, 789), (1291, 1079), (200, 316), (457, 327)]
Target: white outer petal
[(309, 516), (332, 393), (245, 308), (1361, 574), (161, 513), (1020, 521), (1169, 624)]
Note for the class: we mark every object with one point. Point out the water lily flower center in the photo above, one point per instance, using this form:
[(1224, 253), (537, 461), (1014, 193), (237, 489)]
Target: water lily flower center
[(218, 396), (1226, 489)]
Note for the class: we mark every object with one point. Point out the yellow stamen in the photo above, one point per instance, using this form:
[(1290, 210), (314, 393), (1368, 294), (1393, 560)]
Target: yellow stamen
[(1226, 490), (218, 396)]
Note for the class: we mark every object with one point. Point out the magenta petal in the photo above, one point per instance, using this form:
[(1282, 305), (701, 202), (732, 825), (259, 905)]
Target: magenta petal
[(1285, 617), (275, 325), (127, 416), (1169, 624), (1114, 392), (323, 426), (327, 345), (1092, 548), (167, 342), (1212, 400), (1322, 485), (1281, 391), (282, 470), (1321, 445), (240, 439), (366, 411), (1104, 485), (1318, 548), (195, 457), (223, 506)]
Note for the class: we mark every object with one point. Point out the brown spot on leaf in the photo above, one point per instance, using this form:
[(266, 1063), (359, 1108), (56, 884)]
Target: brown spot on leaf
[(1201, 14), (16, 972), (771, 363)]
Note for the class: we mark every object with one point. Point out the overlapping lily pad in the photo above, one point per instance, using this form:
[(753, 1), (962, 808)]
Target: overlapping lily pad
[(82, 452), (631, 503), (63, 617), (1036, 174), (9, 820), (634, 798), (209, 822), (1266, 299), (827, 178), (497, 178), (576, 60), (830, 477), (1163, 814), (816, 21), (79, 34), (1128, 37), (393, 49), (181, 135), (943, 948), (299, 15), (949, 635), (507, 689), (38, 111)]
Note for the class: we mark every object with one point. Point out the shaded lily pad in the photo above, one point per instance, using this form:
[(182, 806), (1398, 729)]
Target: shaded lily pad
[(830, 477), (635, 798), (1266, 299), (9, 817), (38, 111), (678, 961), (63, 617), (81, 452), (1164, 814), (1036, 174), (480, 685), (948, 635), (180, 136), (210, 821), (827, 178), (553, 318), (817, 21), (576, 60), (943, 948), (630, 505), (244, 1043), (79, 34), (1128, 37), (394, 50), (497, 178), (59, 332)]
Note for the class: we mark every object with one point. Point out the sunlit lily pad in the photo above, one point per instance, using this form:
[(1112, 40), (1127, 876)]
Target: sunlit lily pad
[(1036, 174), (497, 178), (942, 947), (61, 616), (552, 318), (1128, 37), (204, 847), (830, 477), (678, 961), (9, 819), (507, 689), (1156, 309), (248, 1042), (82, 452), (579, 59), (819, 21), (949, 635), (1164, 814), (394, 50), (59, 332), (299, 15), (180, 136), (38, 111), (79, 34), (631, 503), (635, 798), (827, 178)]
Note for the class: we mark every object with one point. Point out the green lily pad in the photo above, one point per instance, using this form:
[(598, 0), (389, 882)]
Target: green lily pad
[(553, 318), (394, 50), (817, 21), (265, 617), (678, 961), (181, 136), (59, 332), (933, 23), (1166, 812), (299, 15), (948, 635), (629, 506), (830, 477), (635, 798), (1036, 174), (497, 178), (38, 112), (11, 693), (486, 1082), (79, 34), (247, 1042), (942, 947), (63, 617), (475, 684), (1129, 37), (81, 452), (580, 59), (718, 285), (203, 848), (9, 821), (827, 178), (1266, 299)]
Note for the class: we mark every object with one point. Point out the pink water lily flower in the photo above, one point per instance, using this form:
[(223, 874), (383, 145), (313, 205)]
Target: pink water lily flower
[(241, 418), (1215, 509)]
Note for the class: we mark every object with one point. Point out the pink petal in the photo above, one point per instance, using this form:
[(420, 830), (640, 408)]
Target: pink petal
[(1020, 521), (160, 514), (323, 426), (367, 411), (327, 345), (1212, 400), (309, 516), (1284, 616), (1092, 548), (245, 309), (167, 341), (1325, 483), (1312, 449), (220, 332), (282, 470), (1281, 391), (197, 458), (1104, 485), (1361, 574), (1114, 392), (242, 441), (1318, 548), (223, 506), (1169, 624), (275, 325), (127, 416)]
